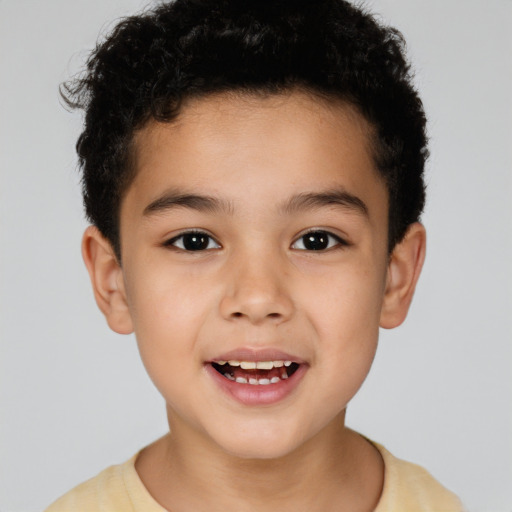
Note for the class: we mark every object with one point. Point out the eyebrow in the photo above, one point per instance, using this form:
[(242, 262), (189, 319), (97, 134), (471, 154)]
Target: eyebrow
[(176, 199), (334, 197), (300, 202)]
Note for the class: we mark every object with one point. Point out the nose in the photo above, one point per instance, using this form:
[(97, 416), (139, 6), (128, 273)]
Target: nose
[(256, 291)]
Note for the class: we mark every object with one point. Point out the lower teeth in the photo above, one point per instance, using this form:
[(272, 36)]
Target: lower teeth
[(252, 378), (255, 382)]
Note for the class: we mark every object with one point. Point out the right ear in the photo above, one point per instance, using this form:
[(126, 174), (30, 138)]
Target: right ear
[(107, 280)]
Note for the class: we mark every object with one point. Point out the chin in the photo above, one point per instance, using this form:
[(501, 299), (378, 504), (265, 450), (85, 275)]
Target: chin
[(265, 443)]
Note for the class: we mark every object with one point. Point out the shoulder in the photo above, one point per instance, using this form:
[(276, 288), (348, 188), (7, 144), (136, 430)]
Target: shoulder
[(104, 492), (409, 487), (115, 488)]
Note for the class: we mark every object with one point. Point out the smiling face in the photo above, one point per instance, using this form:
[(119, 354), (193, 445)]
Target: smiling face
[(254, 267)]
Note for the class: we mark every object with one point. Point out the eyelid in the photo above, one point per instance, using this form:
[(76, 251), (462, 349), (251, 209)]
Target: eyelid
[(340, 241), (170, 242)]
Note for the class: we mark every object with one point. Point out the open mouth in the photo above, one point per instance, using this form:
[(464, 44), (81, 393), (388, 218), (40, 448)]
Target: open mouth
[(256, 373)]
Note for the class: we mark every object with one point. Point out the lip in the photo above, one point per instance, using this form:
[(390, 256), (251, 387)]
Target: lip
[(257, 395), (249, 354)]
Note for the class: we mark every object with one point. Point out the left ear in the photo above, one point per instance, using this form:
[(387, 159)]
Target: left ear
[(107, 280), (404, 270)]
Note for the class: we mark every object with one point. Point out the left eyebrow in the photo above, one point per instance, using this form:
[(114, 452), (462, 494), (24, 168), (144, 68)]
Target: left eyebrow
[(337, 197), (180, 199)]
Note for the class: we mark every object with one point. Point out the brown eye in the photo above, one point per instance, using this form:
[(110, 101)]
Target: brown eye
[(194, 241), (317, 241)]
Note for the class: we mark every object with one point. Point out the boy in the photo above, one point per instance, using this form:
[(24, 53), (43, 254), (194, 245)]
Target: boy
[(253, 175)]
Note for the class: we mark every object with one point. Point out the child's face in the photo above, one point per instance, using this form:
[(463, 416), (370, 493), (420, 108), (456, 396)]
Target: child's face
[(255, 230)]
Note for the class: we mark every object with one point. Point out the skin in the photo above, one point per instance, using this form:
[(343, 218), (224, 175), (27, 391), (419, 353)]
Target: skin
[(257, 286)]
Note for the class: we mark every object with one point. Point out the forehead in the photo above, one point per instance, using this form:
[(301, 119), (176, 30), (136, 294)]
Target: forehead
[(275, 145), (231, 114)]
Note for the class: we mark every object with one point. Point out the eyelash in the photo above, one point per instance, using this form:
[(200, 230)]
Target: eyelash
[(332, 241), (331, 237), (199, 234)]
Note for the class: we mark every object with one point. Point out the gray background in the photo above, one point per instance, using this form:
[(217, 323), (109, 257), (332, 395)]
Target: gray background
[(74, 396)]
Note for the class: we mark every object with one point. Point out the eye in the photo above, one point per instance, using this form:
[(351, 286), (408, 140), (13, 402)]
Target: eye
[(193, 241), (317, 240)]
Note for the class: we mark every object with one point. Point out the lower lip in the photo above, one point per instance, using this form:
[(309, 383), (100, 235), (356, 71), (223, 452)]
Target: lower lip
[(249, 394)]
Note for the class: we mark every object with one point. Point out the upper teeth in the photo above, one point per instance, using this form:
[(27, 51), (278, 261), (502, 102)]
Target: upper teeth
[(256, 365)]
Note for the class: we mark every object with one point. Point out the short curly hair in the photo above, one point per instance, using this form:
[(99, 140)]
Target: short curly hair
[(153, 61)]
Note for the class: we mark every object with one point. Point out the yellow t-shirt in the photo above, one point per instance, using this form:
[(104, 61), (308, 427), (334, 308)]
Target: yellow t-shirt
[(407, 488)]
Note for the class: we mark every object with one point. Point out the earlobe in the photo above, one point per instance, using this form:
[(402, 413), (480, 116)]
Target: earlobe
[(404, 270), (107, 280)]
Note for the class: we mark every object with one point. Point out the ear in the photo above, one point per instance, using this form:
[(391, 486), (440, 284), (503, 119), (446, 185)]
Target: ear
[(404, 270), (107, 280)]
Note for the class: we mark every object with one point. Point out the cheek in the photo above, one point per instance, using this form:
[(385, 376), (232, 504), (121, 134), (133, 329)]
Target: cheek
[(166, 300), (345, 306), (346, 320), (167, 315)]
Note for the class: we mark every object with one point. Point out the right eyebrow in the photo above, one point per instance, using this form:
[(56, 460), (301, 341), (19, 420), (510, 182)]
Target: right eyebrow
[(178, 199), (335, 197)]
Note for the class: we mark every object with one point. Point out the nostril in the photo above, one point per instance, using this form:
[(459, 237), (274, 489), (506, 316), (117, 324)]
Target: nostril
[(256, 309), (238, 314)]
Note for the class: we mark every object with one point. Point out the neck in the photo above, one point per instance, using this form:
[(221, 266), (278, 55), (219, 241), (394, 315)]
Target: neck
[(335, 470)]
